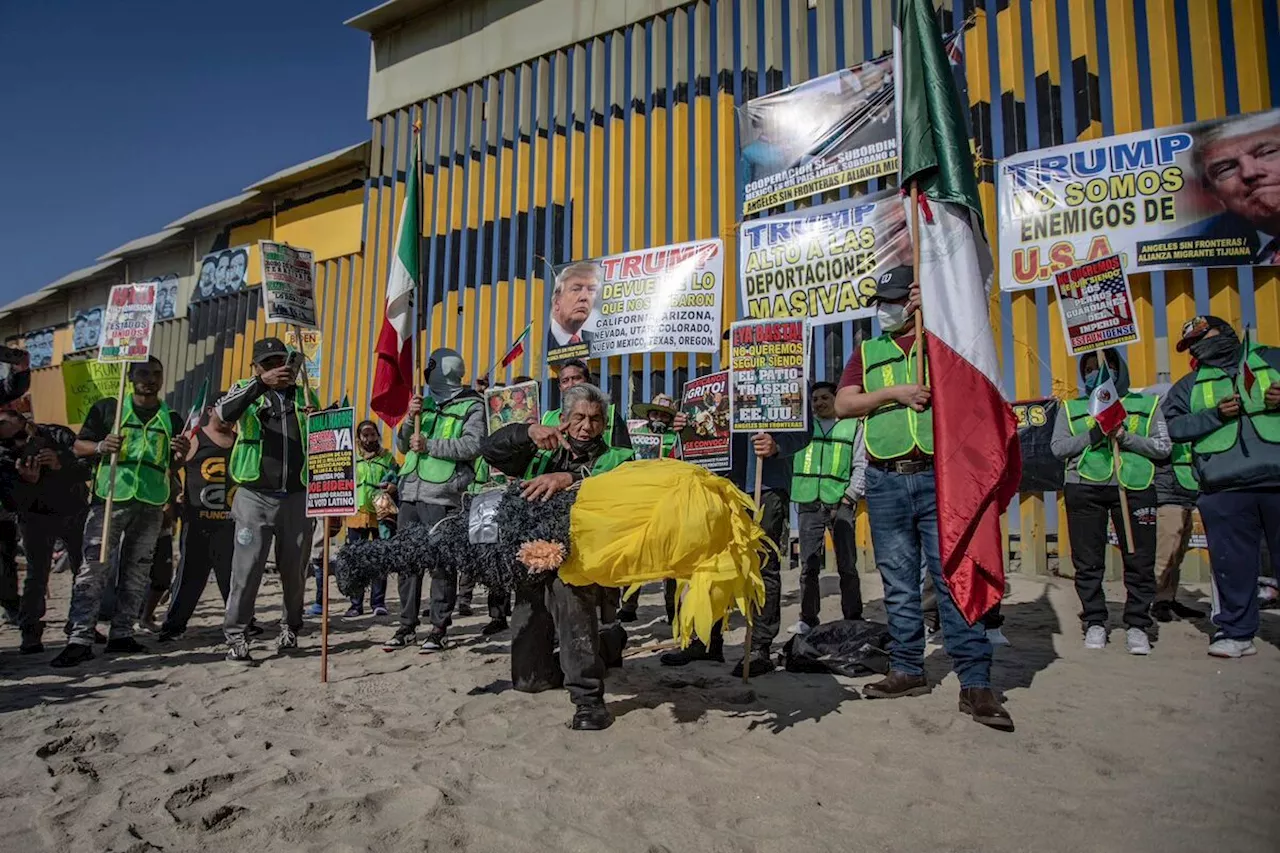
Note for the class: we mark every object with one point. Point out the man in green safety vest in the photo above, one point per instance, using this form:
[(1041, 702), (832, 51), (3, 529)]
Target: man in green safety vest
[(826, 482), (441, 441), (149, 445), (879, 385), (1228, 409), (550, 460), (1093, 480), (575, 372), (269, 468)]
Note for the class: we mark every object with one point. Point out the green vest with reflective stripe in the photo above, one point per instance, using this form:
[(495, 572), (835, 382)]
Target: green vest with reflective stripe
[(610, 459), (1212, 386), (1096, 464), (142, 469), (893, 430), (823, 468), (370, 473), (1183, 470), (484, 476), (446, 423), (552, 418), (246, 453)]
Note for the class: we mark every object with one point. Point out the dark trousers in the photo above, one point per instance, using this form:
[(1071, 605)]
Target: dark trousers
[(39, 533), (540, 617), (162, 564), (207, 547), (378, 589), (815, 520), (632, 603), (9, 597), (1235, 523), (1088, 509), (410, 586), (775, 519)]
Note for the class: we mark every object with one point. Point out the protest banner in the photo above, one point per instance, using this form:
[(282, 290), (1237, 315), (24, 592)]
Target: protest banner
[(331, 463), (310, 348), (222, 273), (822, 134), (646, 445), (1041, 470), (651, 300), (769, 361), (85, 383), (705, 402), (288, 284), (513, 404), (1096, 306), (127, 323), (821, 263), (1161, 199)]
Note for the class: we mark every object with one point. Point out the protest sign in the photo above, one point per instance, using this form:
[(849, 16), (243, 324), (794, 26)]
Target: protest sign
[(646, 445), (128, 322), (222, 273), (825, 133), (85, 383), (1096, 306), (651, 300), (1041, 470), (822, 262), (515, 404), (331, 462), (288, 284), (310, 349), (769, 361), (705, 403), (1157, 198)]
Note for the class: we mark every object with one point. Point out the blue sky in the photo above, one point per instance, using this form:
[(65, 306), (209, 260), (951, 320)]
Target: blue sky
[(122, 116)]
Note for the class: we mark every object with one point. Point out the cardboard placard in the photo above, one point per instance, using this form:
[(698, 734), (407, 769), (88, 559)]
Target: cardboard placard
[(705, 402), (331, 463), (1096, 306), (288, 284), (769, 363), (127, 323)]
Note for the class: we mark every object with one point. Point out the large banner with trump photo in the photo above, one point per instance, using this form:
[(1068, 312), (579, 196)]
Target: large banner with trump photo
[(650, 300), (1194, 195)]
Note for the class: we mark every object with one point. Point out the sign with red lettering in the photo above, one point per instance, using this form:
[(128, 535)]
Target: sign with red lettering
[(1096, 306), (128, 322), (769, 363), (331, 463), (705, 403)]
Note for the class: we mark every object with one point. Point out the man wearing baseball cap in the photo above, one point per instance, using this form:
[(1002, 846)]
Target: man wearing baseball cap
[(1228, 409), (879, 385), (269, 467)]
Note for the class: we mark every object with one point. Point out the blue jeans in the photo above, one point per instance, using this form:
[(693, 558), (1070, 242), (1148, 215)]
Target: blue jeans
[(903, 512)]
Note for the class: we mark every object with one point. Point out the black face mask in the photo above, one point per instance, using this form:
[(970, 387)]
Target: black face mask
[(1222, 350), (584, 448)]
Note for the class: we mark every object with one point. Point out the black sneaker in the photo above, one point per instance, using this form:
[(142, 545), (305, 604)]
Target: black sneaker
[(31, 647), (495, 626), (124, 646), (591, 718), (462, 609), (168, 635), (695, 652), (287, 641), (760, 665), (73, 654), (628, 616), (401, 639), (239, 653), (433, 643)]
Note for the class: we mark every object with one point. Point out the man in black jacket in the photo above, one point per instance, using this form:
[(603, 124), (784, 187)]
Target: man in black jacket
[(45, 483)]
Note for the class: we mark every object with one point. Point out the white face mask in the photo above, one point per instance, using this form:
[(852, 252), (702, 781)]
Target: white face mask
[(892, 315)]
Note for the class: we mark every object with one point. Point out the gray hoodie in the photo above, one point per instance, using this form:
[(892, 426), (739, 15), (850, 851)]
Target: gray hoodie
[(1069, 448), (464, 450)]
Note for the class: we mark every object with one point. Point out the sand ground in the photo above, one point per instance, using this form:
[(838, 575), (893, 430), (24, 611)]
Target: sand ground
[(182, 751)]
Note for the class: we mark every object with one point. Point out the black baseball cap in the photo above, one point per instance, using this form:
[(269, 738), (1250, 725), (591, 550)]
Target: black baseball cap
[(893, 285), (268, 348)]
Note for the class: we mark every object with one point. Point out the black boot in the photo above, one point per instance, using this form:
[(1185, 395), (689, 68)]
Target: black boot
[(591, 718), (696, 651)]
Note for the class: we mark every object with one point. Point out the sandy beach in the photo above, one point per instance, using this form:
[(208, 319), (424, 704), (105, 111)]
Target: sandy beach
[(182, 751)]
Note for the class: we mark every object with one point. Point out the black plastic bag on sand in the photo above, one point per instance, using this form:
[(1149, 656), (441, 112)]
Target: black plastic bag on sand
[(849, 647)]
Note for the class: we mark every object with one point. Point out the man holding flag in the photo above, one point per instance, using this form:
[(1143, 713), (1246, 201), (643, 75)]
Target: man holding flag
[(1110, 441), (941, 491), (1228, 408)]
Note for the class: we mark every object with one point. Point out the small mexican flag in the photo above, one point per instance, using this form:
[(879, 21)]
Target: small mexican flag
[(1245, 372), (517, 347), (197, 409), (1105, 405)]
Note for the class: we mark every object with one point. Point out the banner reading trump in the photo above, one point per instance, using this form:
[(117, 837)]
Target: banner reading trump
[(821, 263), (1194, 195), (650, 300)]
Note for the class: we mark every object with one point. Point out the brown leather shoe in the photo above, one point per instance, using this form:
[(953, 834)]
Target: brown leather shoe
[(896, 685), (985, 707)]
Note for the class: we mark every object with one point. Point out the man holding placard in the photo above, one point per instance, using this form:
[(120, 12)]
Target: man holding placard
[(268, 466)]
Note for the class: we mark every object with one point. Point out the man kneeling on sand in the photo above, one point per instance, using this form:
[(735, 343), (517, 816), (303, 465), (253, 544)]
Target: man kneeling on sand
[(552, 459)]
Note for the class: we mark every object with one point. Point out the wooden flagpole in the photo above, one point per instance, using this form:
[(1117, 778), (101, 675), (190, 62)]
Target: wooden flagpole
[(746, 652), (915, 275), (324, 603), (105, 552), (1124, 497), (417, 308)]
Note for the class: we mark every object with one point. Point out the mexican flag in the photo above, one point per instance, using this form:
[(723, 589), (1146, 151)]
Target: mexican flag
[(197, 409), (977, 462), (393, 373), (1105, 405), (517, 348)]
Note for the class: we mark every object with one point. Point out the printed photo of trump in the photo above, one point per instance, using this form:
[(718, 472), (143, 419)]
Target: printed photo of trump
[(574, 310)]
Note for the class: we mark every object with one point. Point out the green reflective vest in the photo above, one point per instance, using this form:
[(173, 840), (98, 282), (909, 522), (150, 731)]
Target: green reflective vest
[(893, 430), (552, 418), (822, 469), (1212, 386), (1183, 470), (610, 459), (370, 474), (142, 469), (246, 453), (485, 476), (1096, 463), (445, 423)]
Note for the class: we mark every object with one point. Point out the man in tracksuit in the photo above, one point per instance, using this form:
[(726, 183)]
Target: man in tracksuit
[(1228, 408), (268, 466), (441, 441)]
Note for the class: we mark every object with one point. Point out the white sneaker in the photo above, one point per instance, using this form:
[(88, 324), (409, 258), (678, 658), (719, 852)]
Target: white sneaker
[(1225, 648), (1095, 637), (800, 628), (996, 637), (1136, 642)]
